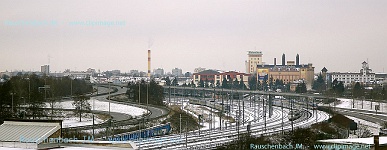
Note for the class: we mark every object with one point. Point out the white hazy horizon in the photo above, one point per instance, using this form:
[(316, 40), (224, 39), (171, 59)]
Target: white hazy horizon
[(116, 34)]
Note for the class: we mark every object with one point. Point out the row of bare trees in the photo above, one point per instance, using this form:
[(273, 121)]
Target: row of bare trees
[(24, 96)]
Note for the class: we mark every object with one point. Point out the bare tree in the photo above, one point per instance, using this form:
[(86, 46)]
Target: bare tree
[(81, 105)]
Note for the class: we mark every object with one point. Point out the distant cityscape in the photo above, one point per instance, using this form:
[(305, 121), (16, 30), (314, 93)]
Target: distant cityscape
[(288, 71)]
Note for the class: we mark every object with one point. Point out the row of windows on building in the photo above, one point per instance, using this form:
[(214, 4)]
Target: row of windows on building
[(354, 79), (217, 76), (353, 76)]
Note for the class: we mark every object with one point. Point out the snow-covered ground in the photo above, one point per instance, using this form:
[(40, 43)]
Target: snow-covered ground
[(360, 104), (196, 110), (363, 105), (373, 127), (103, 106), (71, 121), (250, 114), (74, 121), (210, 120)]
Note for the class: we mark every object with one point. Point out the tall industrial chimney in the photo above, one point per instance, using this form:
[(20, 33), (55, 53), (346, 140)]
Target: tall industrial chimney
[(275, 61), (149, 62), (297, 59), (283, 59)]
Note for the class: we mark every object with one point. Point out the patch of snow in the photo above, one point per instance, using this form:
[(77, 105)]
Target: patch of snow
[(74, 121), (373, 127), (361, 104), (104, 106)]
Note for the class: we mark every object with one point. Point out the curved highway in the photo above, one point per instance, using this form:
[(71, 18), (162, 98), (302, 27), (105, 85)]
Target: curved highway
[(120, 119)]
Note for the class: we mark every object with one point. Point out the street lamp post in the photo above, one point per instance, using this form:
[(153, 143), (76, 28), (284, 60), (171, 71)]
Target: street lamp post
[(221, 112), (71, 88), (109, 97), (282, 110), (29, 91), (12, 93), (214, 116)]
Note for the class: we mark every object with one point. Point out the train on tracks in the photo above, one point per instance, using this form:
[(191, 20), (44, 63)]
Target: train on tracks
[(159, 130), (294, 114)]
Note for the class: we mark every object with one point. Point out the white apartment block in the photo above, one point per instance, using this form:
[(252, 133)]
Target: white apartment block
[(365, 76)]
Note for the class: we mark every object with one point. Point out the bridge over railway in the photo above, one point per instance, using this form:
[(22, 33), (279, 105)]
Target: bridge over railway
[(184, 91)]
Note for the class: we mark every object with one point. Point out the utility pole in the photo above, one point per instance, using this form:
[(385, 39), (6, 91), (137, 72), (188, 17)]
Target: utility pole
[(255, 108), (109, 97), (243, 106), (264, 112), (180, 125), (221, 112), (93, 119), (12, 93), (213, 113), (71, 88), (250, 99), (292, 113), (315, 111), (94, 109), (139, 121), (200, 120), (282, 110), (239, 113), (214, 116), (174, 94), (186, 132), (29, 97), (260, 98)]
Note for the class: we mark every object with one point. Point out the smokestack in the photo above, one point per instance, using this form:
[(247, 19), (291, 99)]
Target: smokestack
[(283, 59), (297, 60), (149, 62), (275, 61)]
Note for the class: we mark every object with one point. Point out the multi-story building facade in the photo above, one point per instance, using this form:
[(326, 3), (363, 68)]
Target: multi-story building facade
[(214, 77), (77, 74), (291, 72), (159, 72), (92, 71), (365, 76), (116, 72), (254, 59), (45, 69), (177, 72)]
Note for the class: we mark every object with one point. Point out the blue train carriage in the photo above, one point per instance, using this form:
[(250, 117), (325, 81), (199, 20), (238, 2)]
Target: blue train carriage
[(156, 131), (145, 133)]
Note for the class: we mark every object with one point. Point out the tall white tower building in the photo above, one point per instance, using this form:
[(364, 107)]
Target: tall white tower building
[(254, 59)]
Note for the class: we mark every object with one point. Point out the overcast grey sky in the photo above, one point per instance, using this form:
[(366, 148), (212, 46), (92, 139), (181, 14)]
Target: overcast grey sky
[(337, 34)]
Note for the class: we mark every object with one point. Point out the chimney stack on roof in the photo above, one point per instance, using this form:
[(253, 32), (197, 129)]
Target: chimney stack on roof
[(275, 61)]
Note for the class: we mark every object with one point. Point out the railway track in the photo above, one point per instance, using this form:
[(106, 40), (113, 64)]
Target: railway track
[(209, 139)]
